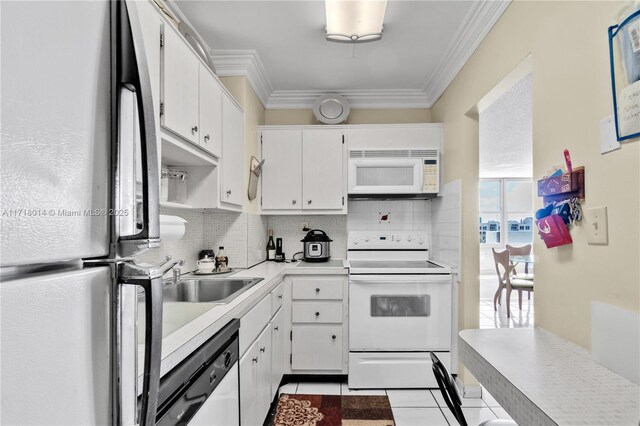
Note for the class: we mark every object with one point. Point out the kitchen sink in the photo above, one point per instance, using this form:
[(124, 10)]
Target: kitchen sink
[(207, 290)]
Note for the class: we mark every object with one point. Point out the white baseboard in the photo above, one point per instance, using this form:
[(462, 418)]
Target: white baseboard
[(469, 391)]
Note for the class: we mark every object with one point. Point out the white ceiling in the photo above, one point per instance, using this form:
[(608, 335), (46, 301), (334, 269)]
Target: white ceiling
[(280, 46)]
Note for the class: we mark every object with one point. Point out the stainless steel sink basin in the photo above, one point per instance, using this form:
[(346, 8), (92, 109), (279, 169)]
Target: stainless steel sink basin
[(207, 290)]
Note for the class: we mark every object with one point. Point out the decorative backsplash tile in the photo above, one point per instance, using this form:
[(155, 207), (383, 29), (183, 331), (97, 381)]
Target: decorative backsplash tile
[(398, 215)]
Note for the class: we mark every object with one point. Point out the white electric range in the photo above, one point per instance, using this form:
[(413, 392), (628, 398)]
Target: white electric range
[(400, 309)]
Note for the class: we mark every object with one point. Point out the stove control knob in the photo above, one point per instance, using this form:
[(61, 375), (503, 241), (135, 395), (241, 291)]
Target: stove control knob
[(420, 240), (397, 238), (356, 241), (367, 238), (409, 237)]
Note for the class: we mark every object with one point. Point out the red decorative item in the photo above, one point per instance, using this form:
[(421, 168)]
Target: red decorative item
[(553, 231)]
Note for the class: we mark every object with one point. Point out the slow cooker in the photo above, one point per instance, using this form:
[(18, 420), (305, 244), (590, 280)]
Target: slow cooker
[(316, 246)]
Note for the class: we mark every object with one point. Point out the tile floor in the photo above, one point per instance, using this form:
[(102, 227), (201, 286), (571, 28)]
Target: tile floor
[(413, 407), (498, 319)]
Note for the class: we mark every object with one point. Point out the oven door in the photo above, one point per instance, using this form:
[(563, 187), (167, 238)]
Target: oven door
[(385, 176), (399, 313)]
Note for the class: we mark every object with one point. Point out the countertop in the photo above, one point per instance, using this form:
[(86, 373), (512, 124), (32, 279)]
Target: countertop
[(542, 379), (192, 324)]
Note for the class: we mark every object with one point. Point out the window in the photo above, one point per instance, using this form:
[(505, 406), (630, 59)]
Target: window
[(509, 202)]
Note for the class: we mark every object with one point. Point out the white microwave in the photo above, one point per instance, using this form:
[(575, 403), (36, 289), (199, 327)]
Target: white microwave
[(381, 173)]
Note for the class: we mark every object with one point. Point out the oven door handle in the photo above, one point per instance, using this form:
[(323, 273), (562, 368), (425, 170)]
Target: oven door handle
[(397, 279)]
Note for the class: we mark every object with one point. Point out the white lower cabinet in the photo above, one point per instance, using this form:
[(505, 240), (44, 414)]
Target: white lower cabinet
[(262, 364), (316, 347), (318, 324), (278, 332)]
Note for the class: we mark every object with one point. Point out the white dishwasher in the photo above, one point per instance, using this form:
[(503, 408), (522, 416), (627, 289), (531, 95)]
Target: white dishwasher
[(203, 389)]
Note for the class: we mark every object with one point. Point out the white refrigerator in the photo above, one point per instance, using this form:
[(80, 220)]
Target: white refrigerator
[(79, 197)]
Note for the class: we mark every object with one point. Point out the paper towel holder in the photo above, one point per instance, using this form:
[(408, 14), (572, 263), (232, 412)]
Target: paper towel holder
[(255, 169)]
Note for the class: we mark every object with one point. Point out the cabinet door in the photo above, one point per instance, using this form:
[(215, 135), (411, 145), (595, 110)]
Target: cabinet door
[(322, 168), (282, 170), (316, 347), (180, 83), (249, 373), (263, 385), (210, 132), (232, 182), (277, 353)]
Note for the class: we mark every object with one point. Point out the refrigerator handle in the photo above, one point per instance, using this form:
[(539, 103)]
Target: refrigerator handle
[(152, 347), (134, 74), (150, 279)]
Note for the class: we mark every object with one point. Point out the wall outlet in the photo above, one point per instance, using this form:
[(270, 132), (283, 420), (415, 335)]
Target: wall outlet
[(305, 226), (597, 222)]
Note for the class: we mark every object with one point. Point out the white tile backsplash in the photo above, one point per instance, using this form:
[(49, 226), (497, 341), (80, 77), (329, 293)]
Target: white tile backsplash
[(289, 228), (244, 235), (186, 248), (256, 239), (227, 229), (445, 225)]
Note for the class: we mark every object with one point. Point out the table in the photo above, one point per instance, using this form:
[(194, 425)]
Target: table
[(542, 379), (526, 259)]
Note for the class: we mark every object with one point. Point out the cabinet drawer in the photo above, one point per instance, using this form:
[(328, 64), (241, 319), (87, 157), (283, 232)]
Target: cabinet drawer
[(316, 347), (317, 288), (316, 312), (252, 323), (277, 297)]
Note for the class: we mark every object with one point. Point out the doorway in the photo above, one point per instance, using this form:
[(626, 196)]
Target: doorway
[(505, 196)]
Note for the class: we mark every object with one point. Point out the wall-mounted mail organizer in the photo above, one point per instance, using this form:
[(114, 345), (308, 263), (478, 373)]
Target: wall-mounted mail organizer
[(624, 60), (561, 195)]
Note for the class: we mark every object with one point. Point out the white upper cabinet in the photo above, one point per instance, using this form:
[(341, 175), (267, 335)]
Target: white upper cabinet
[(180, 83), (232, 182), (210, 131), (304, 171), (282, 171), (322, 165)]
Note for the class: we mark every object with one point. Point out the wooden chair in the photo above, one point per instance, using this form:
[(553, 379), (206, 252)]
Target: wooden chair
[(521, 251), (451, 396), (506, 281)]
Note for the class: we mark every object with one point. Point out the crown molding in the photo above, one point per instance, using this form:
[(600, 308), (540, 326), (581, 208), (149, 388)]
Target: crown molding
[(247, 63), (474, 28), (387, 98)]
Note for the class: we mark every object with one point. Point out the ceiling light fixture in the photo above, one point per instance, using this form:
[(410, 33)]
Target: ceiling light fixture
[(354, 21)]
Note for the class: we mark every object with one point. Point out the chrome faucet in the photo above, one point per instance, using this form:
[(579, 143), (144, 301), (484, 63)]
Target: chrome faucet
[(176, 273)]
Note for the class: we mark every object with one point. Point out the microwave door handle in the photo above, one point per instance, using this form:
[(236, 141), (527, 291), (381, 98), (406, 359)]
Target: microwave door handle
[(134, 75)]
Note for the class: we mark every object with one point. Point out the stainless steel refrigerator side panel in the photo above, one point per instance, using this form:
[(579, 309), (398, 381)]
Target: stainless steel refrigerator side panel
[(55, 131), (55, 348)]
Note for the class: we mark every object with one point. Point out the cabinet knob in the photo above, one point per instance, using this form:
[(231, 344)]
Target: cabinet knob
[(308, 201), (262, 349), (207, 137), (317, 290), (333, 337), (280, 296), (228, 192), (255, 359), (276, 328), (293, 202), (317, 314), (194, 129)]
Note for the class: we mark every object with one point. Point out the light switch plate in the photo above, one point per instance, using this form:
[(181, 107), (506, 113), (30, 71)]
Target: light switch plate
[(608, 139), (598, 228)]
